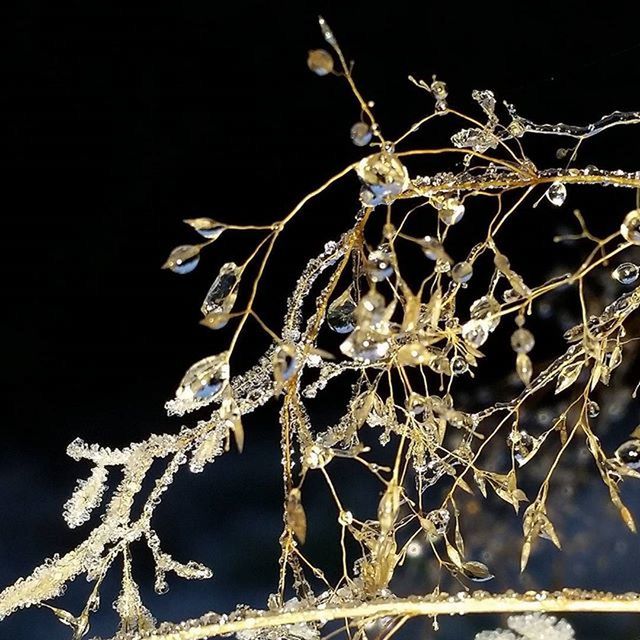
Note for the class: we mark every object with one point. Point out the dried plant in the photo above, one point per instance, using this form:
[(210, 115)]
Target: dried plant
[(406, 346)]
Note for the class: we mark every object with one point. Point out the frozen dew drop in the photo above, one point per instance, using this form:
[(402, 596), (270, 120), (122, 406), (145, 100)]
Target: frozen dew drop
[(340, 316), (361, 134), (522, 341), (383, 175), (415, 403), (205, 379), (524, 368), (379, 265), (285, 364), (523, 445), (593, 409), (223, 292), (475, 332), (557, 194), (628, 454), (206, 227), (626, 273), (345, 518), (432, 248), (459, 365), (486, 308), (320, 62), (630, 228), (461, 272), (183, 259), (452, 211), (365, 346)]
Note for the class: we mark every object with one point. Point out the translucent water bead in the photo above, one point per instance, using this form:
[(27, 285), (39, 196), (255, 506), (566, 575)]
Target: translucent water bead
[(320, 62), (626, 273), (557, 194), (630, 228), (361, 134)]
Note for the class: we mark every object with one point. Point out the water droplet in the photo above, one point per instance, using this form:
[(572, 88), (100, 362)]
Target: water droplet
[(415, 403), (432, 248), (206, 227), (345, 518), (557, 194), (223, 292), (593, 409), (365, 346), (379, 265), (285, 364), (524, 368), (452, 211), (320, 62), (522, 341), (568, 376), (340, 316), (523, 445), (383, 175), (630, 228), (486, 308), (626, 273), (459, 365), (183, 259), (205, 379), (629, 454), (475, 332), (360, 134), (439, 89), (461, 272)]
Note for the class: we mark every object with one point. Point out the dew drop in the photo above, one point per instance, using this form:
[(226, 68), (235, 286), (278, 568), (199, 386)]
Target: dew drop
[(379, 265), (486, 308), (557, 194), (593, 409), (475, 332), (206, 227), (365, 346), (360, 134), (320, 62), (205, 379), (524, 368), (459, 365), (626, 273), (223, 292), (630, 228), (383, 175), (183, 259), (461, 272), (340, 316), (522, 341), (629, 454), (523, 445), (452, 211)]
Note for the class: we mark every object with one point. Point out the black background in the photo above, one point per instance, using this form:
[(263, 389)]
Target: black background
[(120, 120)]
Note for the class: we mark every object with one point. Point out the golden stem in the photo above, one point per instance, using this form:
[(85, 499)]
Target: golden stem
[(561, 602)]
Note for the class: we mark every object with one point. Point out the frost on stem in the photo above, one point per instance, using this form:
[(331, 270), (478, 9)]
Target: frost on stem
[(406, 341)]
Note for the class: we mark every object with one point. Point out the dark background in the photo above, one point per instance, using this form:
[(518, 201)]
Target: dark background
[(120, 120)]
